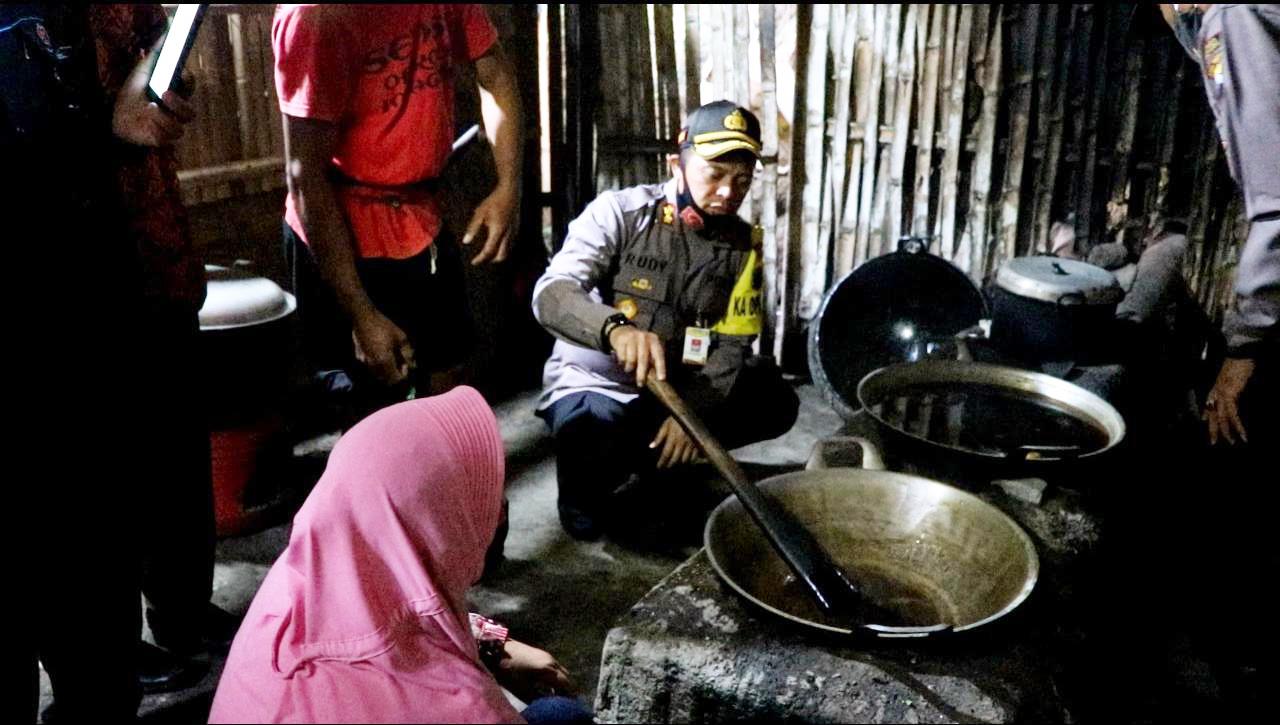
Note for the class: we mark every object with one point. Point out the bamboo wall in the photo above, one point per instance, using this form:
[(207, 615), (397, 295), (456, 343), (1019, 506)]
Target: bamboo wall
[(976, 125)]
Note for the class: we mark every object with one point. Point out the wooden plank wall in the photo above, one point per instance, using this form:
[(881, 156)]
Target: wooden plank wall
[(235, 145), (978, 126)]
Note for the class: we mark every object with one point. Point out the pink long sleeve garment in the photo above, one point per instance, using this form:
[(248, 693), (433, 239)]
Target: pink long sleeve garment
[(362, 618)]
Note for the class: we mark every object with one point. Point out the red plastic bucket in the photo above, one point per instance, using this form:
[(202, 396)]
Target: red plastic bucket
[(238, 455)]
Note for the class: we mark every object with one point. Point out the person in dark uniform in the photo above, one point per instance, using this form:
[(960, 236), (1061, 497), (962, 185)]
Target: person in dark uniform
[(662, 277)]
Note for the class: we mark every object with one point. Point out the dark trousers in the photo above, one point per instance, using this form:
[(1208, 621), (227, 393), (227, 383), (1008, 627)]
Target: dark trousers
[(78, 450), (601, 444), (425, 295), (178, 531)]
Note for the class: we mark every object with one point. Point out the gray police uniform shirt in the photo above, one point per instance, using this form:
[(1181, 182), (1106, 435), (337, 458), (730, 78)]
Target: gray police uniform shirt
[(630, 252), (1240, 60)]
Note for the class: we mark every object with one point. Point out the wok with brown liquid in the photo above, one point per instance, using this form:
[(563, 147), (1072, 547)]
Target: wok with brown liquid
[(929, 553)]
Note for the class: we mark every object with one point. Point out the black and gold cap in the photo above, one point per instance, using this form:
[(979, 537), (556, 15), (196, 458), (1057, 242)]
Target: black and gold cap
[(720, 127)]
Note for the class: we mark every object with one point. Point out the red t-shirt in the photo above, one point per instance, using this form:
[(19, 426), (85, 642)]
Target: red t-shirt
[(384, 73)]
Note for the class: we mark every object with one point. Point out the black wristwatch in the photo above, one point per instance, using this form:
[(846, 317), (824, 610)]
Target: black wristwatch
[(611, 323)]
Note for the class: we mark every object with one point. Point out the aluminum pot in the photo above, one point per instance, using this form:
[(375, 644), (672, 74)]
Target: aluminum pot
[(941, 559), (1047, 309)]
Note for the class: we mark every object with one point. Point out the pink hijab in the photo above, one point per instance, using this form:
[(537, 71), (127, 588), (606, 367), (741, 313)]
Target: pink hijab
[(363, 617)]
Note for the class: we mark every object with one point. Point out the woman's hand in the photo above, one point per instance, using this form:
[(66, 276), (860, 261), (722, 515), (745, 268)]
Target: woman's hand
[(530, 673)]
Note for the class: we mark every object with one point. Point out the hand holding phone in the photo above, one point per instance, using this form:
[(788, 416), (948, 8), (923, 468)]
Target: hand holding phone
[(166, 74), (144, 117)]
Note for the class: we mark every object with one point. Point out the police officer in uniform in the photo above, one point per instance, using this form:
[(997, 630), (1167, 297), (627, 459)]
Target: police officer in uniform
[(1237, 47), (661, 277)]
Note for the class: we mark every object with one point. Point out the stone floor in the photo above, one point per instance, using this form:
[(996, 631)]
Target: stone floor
[(552, 591)]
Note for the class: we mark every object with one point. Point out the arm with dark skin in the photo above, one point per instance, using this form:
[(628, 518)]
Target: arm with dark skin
[(500, 106), (380, 343)]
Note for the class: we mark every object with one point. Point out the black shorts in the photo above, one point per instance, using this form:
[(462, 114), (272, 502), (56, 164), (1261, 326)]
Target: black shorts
[(429, 302)]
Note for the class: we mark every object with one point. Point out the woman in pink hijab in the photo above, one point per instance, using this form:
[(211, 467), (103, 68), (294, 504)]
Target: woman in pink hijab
[(363, 617)]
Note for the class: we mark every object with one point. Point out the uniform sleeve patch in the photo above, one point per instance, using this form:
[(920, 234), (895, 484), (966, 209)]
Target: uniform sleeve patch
[(745, 315)]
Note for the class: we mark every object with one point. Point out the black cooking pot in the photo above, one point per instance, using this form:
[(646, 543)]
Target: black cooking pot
[(1046, 309), (976, 421), (901, 307), (246, 344)]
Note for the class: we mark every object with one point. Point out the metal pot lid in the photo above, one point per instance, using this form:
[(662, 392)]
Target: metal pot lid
[(1051, 279), (900, 307), (237, 298)]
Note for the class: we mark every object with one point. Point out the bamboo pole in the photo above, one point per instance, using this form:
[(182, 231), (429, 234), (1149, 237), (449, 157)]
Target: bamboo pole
[(261, 76), (847, 238), (741, 53), (901, 127), (611, 90), (928, 115), (692, 58), (711, 18), (1053, 69), (1019, 94), (640, 69), (844, 40), (667, 77), (813, 280), (952, 14), (950, 178), (871, 136), (742, 80), (1122, 157), (248, 147), (877, 246), (977, 230), (1202, 198), (1088, 173), (842, 54), (1168, 140), (771, 337)]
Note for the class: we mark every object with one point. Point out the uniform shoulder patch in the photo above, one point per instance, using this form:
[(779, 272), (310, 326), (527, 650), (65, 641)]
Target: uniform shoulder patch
[(1214, 66)]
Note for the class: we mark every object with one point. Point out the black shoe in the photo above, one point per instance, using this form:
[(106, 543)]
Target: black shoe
[(220, 626), (162, 671), (215, 632)]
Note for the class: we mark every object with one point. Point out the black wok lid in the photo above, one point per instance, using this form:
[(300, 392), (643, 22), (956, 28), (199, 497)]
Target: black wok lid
[(901, 307)]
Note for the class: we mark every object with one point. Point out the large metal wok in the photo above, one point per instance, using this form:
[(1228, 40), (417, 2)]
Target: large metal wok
[(862, 552), (927, 552)]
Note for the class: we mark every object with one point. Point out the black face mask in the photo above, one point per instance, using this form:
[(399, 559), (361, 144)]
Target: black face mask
[(693, 216), (1186, 27)]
